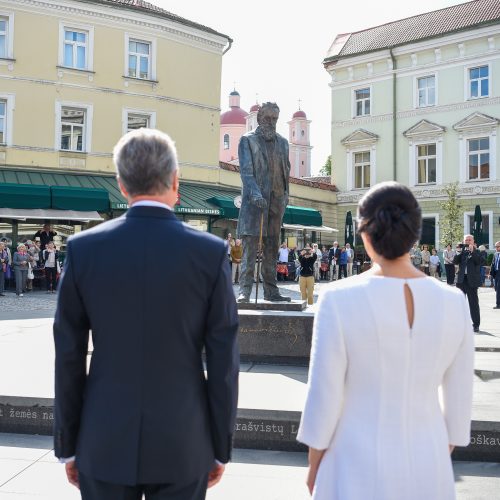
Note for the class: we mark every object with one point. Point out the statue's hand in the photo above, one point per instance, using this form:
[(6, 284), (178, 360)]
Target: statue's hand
[(258, 201)]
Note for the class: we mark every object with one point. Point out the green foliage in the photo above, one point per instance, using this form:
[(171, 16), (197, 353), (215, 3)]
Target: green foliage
[(326, 169), (451, 223)]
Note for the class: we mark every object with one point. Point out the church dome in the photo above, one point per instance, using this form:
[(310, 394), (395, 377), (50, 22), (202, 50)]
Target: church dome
[(235, 116), (255, 107), (299, 114)]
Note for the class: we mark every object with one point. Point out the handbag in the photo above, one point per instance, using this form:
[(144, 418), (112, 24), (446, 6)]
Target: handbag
[(31, 274)]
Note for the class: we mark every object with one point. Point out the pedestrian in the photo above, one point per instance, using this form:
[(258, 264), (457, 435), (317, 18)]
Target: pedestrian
[(20, 262), (416, 256), (469, 276), (4, 262), (45, 235), (307, 260), (236, 255), (343, 263), (50, 257), (324, 267), (495, 273), (333, 256), (350, 258), (317, 262), (434, 264), (426, 259), (449, 267), (230, 243), (282, 264), (146, 420), (375, 379)]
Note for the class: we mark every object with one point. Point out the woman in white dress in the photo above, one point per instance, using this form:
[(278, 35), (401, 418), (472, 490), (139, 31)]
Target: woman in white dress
[(374, 420)]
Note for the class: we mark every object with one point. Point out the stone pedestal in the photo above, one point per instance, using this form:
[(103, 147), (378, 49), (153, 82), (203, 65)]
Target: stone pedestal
[(275, 336), (266, 305)]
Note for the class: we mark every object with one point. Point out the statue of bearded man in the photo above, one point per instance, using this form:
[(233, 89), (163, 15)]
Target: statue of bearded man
[(265, 172)]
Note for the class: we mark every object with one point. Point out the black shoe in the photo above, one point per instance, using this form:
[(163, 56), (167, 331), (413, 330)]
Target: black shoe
[(2, 294), (496, 307), (476, 329), (243, 299), (278, 298)]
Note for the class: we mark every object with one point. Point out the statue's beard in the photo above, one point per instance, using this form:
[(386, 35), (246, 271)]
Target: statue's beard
[(268, 132)]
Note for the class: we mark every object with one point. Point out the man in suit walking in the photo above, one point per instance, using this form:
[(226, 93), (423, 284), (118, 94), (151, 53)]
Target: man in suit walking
[(495, 273), (468, 259), (145, 419)]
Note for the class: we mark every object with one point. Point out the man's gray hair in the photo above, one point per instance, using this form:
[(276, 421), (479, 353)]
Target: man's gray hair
[(145, 161), (264, 108)]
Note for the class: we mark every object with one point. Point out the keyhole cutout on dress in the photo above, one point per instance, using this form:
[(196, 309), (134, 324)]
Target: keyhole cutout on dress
[(410, 308)]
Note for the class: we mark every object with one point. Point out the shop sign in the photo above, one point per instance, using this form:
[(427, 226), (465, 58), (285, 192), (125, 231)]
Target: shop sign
[(198, 211)]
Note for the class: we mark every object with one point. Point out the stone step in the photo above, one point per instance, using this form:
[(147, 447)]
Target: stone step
[(270, 404)]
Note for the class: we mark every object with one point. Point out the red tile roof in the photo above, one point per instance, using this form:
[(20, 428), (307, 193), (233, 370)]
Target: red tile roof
[(433, 24)]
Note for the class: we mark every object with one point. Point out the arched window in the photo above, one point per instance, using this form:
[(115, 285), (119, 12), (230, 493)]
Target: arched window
[(226, 141), (302, 133)]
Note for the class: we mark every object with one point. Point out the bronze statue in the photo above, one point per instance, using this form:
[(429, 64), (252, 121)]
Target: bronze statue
[(265, 171)]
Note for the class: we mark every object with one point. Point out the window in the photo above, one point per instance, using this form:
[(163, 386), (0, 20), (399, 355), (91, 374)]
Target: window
[(3, 121), (75, 49), (362, 97), (362, 170), (426, 88), (139, 59), (4, 33), (135, 121), (426, 163), (72, 129), (226, 141), (478, 151), (479, 82)]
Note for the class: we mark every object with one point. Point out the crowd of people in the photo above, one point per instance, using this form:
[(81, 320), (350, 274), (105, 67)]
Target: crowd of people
[(36, 258)]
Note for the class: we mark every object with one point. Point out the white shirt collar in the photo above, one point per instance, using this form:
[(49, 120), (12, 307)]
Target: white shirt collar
[(151, 203)]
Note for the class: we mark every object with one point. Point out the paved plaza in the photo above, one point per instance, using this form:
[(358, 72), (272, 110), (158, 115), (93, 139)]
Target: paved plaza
[(28, 469)]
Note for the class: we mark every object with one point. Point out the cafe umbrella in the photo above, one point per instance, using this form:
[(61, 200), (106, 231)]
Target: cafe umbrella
[(477, 230), (349, 229)]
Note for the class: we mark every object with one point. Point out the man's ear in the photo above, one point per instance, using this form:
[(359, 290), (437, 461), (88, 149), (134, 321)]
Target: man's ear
[(122, 188)]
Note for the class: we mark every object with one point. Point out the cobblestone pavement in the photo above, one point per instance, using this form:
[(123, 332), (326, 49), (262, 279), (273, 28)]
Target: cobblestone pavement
[(33, 301)]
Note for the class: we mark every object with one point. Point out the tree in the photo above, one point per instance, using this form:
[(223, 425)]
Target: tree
[(451, 222), (326, 169)]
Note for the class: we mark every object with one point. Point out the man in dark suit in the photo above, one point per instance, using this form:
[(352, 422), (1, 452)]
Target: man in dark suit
[(469, 276), (145, 419), (495, 273), (333, 260)]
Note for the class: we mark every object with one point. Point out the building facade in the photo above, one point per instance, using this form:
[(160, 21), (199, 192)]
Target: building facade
[(76, 75), (300, 147), (418, 101)]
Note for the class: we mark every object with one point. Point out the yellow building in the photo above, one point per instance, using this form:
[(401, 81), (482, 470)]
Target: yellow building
[(75, 75)]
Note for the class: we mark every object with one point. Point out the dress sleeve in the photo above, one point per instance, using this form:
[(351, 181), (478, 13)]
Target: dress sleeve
[(457, 386), (327, 372)]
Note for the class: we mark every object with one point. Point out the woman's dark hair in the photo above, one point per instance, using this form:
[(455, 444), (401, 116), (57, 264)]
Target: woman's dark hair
[(390, 215)]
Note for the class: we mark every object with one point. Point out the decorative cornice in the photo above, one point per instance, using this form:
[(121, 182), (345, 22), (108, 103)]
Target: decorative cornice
[(424, 193), (167, 27), (110, 90), (417, 112)]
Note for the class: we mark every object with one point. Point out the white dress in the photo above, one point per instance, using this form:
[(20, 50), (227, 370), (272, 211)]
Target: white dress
[(373, 395)]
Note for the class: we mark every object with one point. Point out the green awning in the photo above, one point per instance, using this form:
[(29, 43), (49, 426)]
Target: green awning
[(303, 216), (64, 179), (226, 204), (79, 198), (198, 199), (24, 196)]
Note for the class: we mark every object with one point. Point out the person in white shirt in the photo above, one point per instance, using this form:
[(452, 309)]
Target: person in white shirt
[(434, 263), (350, 258), (283, 253), (317, 262)]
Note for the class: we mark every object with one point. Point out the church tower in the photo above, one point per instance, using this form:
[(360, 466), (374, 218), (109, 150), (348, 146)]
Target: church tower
[(232, 126), (300, 148)]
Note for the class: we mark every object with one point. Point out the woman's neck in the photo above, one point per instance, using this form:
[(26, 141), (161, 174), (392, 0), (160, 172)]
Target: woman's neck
[(400, 267)]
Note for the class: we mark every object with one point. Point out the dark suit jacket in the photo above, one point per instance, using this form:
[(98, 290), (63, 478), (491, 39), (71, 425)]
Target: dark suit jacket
[(256, 180), (493, 271), (145, 413), (471, 261), (333, 253)]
